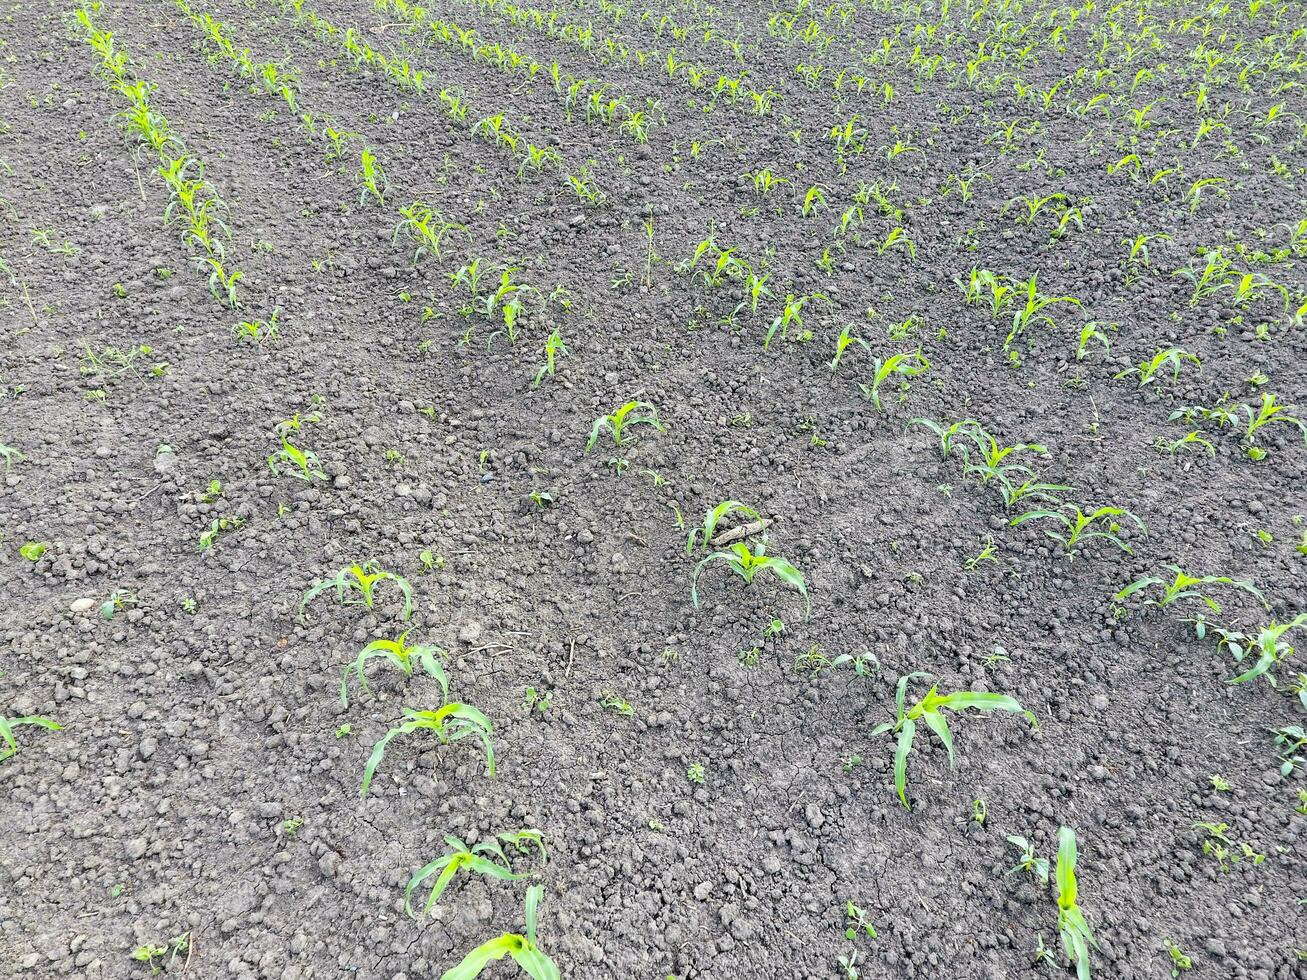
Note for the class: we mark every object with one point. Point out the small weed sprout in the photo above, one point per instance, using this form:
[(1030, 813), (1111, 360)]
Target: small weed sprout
[(449, 724), (631, 414), (362, 579), (1029, 861)]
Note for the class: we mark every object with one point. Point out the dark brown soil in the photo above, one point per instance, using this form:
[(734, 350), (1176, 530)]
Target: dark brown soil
[(206, 779)]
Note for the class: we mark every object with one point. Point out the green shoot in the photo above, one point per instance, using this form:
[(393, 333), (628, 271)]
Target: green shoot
[(631, 414), (928, 710), (554, 349), (1079, 527), (1029, 861), (363, 579), (460, 856), (747, 564), (704, 535), (1172, 356), (1182, 587), (402, 656), (522, 949), (1072, 926), (450, 723), (904, 366), (7, 726)]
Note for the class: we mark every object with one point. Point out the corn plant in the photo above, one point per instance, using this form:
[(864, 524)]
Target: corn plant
[(403, 656), (304, 463), (1072, 927), (259, 331), (425, 227), (554, 349), (1213, 276), (631, 414), (842, 343), (928, 710), (1079, 527), (486, 858), (449, 724), (1267, 646), (747, 562), (508, 298), (1174, 357), (947, 434), (363, 579), (704, 534), (7, 726), (903, 366), (1034, 309), (1182, 585), (989, 462), (521, 948), (791, 315), (1268, 412), (222, 281), (1090, 332), (371, 178)]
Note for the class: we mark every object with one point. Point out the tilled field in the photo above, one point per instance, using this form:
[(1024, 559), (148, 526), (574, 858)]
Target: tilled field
[(690, 485)]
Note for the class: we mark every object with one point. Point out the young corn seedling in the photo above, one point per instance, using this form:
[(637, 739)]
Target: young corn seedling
[(8, 738), (902, 366), (1268, 412), (305, 463), (508, 299), (1079, 527), (631, 414), (842, 343), (1030, 862), (946, 435), (1266, 647), (747, 563), (258, 331), (523, 949), (1172, 356), (1184, 586), (449, 724), (1215, 274), (1031, 489), (425, 227), (1072, 926), (790, 316), (1090, 332), (486, 858), (222, 281), (554, 349), (704, 534), (371, 178), (403, 656), (928, 710), (362, 579), (1034, 310), (989, 464)]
